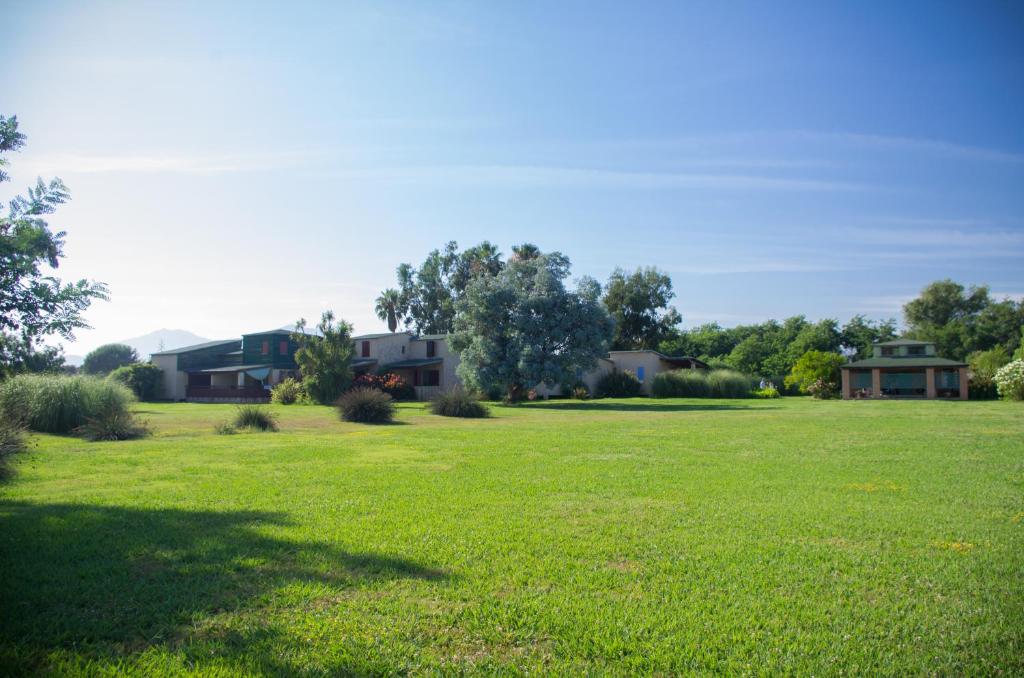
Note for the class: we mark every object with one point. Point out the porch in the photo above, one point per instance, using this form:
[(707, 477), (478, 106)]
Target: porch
[(236, 384), (424, 374), (905, 383)]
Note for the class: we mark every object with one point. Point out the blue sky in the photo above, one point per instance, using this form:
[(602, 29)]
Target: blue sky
[(239, 165)]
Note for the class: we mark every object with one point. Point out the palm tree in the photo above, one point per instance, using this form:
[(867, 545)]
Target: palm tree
[(389, 308), (525, 252)]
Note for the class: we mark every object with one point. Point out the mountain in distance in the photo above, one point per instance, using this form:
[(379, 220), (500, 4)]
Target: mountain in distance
[(162, 340)]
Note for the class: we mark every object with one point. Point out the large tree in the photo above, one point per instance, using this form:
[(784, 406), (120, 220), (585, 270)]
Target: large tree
[(859, 333), (523, 327), (389, 308), (428, 295), (324, 357), (639, 304), (962, 320), (108, 358), (34, 304)]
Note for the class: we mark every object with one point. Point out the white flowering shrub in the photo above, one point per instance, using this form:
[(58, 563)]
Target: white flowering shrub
[(1010, 380)]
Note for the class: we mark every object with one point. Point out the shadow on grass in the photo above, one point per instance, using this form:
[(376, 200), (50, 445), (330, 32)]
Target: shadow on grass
[(648, 405), (108, 582)]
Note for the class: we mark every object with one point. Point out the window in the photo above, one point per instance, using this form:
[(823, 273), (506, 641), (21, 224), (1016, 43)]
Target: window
[(915, 350), (888, 350), (366, 349), (283, 347), (266, 348), (431, 349), (432, 378), (640, 374)]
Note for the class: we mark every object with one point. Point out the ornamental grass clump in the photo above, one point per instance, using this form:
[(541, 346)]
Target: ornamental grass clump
[(61, 404), (366, 406), (729, 384), (681, 384), (288, 392), (255, 418), (458, 403), (618, 385), (12, 441)]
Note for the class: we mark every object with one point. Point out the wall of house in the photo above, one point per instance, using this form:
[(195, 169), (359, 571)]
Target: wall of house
[(450, 360), (632, 361), (174, 381), (252, 350), (385, 349)]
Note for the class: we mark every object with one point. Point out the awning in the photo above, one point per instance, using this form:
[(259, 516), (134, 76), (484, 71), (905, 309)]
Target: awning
[(238, 368), (412, 363)]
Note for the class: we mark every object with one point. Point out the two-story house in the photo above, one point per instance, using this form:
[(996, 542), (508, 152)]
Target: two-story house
[(904, 368)]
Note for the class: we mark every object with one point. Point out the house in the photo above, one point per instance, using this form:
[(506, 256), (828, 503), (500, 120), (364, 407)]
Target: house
[(245, 370), (905, 368)]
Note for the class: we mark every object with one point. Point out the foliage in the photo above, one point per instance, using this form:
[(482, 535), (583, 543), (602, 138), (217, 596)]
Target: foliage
[(728, 384), (255, 417), (60, 404), (390, 383), (1010, 380), (12, 441), (33, 303), (681, 384), (961, 321), (20, 354), (638, 302), (822, 389), (325, 359), (816, 372), (523, 327), (366, 406), (108, 358), (983, 367), (389, 308), (458, 402), (617, 384), (428, 295), (112, 422), (580, 392), (144, 379), (287, 392), (766, 393), (225, 428), (859, 334)]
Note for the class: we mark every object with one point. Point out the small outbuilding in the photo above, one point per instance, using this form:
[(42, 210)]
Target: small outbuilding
[(905, 368)]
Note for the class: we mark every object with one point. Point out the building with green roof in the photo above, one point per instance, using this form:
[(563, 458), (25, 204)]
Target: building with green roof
[(905, 368)]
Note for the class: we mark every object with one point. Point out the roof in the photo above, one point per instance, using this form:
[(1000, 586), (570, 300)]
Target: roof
[(927, 361), (903, 342), (431, 337), (413, 362), (380, 335), (232, 368), (361, 362), (198, 347)]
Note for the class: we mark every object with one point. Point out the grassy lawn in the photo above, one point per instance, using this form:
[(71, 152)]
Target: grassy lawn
[(616, 537)]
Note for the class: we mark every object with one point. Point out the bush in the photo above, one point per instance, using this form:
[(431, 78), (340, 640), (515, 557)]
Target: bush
[(367, 406), (389, 383), (767, 392), (108, 358), (618, 384), (580, 392), (288, 392), (254, 417), (729, 384), (1010, 380), (814, 367), (458, 403), (113, 423), (12, 441), (681, 384), (60, 404), (983, 368), (144, 379), (225, 428)]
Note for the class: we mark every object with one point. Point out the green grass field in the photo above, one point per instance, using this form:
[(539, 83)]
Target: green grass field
[(606, 537)]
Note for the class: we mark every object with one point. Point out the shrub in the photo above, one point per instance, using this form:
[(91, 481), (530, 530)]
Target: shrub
[(580, 392), (225, 428), (255, 417), (390, 383), (113, 423), (458, 403), (822, 389), (681, 384), (288, 392), (12, 441), (983, 367), (367, 406), (144, 379), (729, 384), (108, 358), (813, 367), (60, 404), (767, 392), (618, 384), (1010, 380)]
